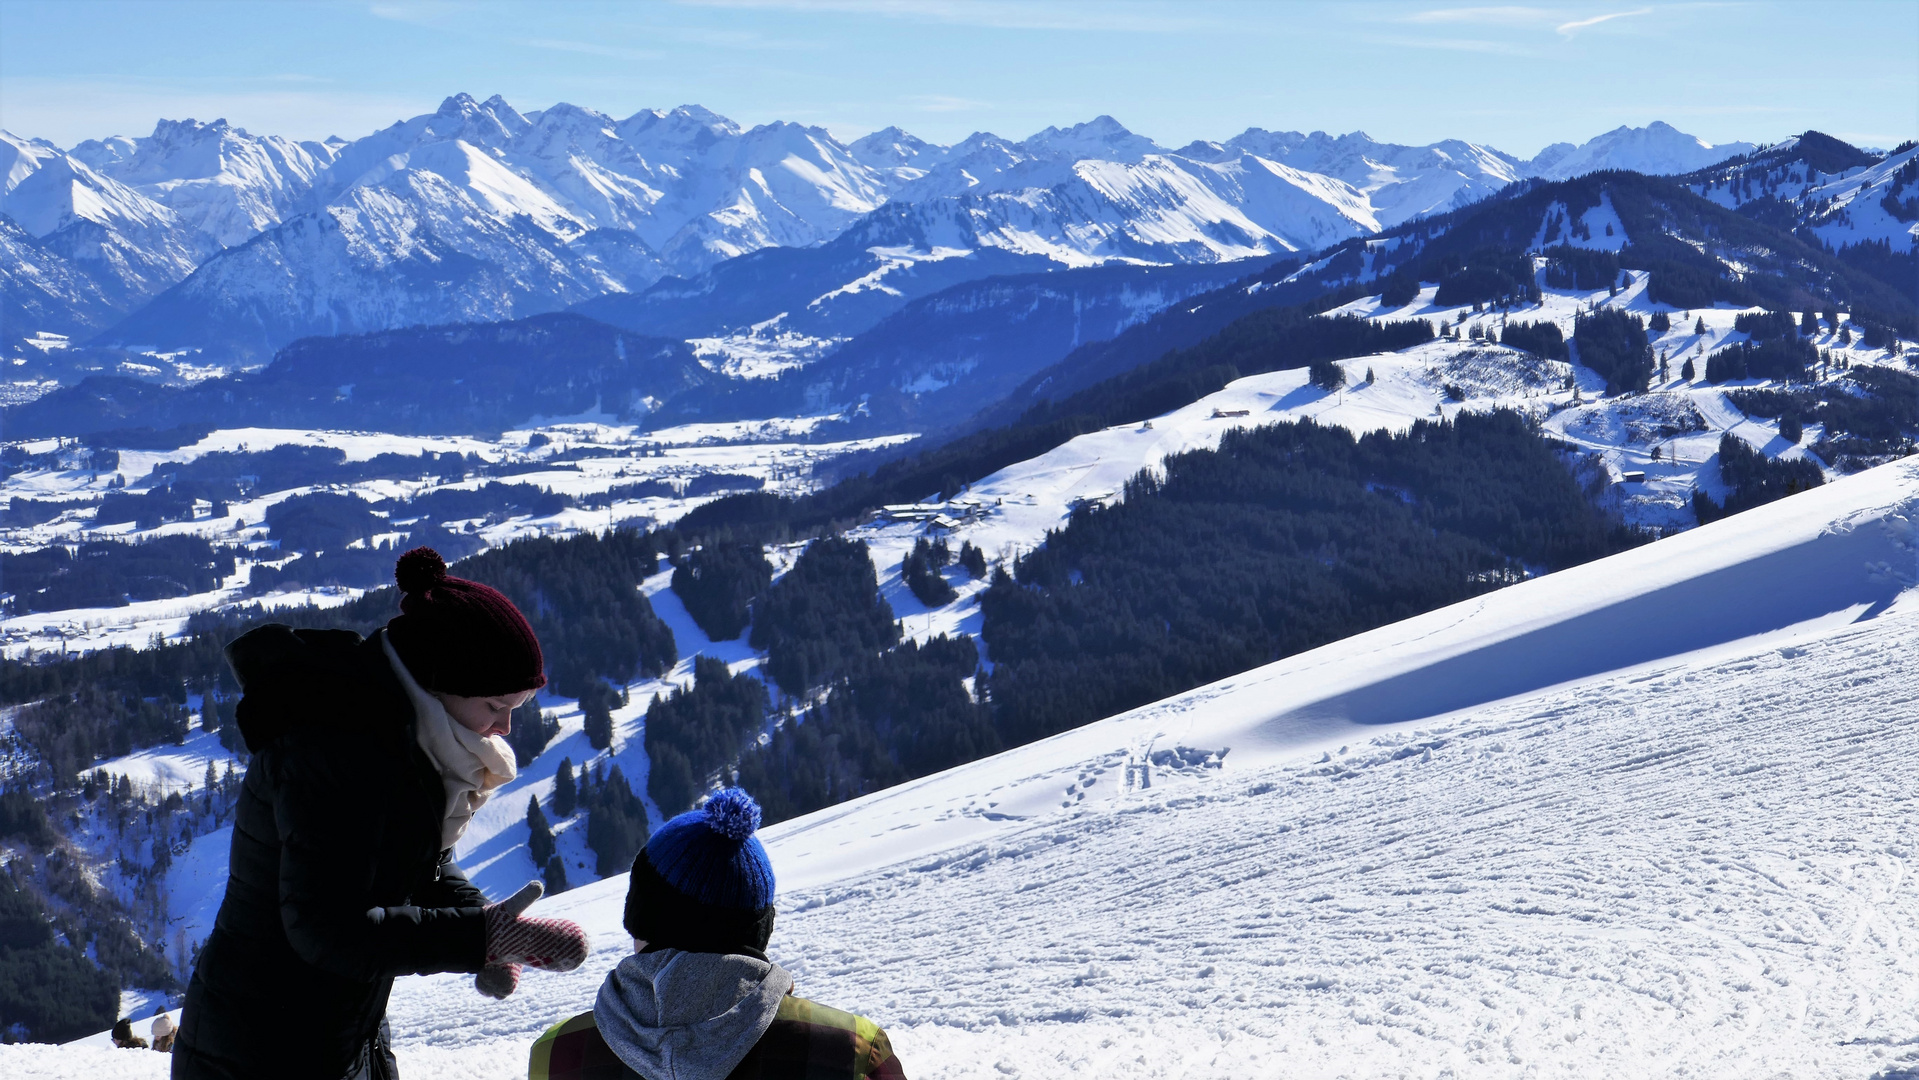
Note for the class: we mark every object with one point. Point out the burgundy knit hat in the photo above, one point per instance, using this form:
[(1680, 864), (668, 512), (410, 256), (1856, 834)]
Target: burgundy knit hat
[(458, 636)]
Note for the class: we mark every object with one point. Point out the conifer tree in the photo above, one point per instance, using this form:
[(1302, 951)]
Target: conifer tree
[(566, 793), (615, 824), (972, 560), (596, 707), (1327, 375), (1790, 428), (555, 875), (539, 841)]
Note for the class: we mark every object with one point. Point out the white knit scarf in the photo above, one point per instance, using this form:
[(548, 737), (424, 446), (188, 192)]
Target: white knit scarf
[(471, 765)]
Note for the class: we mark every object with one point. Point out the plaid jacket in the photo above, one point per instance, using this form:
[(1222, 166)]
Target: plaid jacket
[(807, 1041)]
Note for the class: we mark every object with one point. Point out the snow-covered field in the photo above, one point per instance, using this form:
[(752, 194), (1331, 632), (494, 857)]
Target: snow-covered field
[(771, 451), (1644, 817)]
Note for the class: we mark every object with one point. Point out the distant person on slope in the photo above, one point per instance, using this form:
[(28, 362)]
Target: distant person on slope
[(123, 1036), (369, 758), (700, 1000)]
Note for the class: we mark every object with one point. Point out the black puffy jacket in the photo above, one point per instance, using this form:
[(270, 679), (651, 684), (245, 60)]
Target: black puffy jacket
[(336, 882)]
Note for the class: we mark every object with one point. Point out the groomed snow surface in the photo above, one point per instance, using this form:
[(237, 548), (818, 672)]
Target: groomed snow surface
[(1645, 817)]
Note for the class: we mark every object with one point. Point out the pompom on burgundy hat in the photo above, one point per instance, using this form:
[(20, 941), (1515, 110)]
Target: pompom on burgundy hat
[(461, 637)]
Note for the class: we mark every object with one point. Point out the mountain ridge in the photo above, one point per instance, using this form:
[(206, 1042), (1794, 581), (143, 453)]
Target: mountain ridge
[(617, 204)]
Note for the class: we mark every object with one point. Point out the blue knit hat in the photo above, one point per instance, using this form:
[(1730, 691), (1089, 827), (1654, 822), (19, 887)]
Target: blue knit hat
[(703, 883), (710, 855)]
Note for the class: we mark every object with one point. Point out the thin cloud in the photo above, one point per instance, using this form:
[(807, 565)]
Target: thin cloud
[(1519, 17), (1568, 29)]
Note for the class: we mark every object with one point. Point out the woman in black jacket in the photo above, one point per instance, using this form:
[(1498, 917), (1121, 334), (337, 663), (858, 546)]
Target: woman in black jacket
[(369, 757)]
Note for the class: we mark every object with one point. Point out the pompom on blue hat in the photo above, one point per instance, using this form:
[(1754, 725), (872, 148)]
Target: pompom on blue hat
[(711, 856)]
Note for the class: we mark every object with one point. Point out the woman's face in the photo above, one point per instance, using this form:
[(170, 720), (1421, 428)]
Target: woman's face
[(485, 715)]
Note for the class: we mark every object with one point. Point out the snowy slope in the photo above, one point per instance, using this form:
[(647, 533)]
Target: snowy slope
[(1641, 817), (1856, 208), (43, 291), (1840, 192), (129, 245), (220, 180)]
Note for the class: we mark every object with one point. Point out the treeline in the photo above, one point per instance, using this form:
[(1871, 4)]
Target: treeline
[(1497, 276), (24, 513), (530, 731), (1786, 359), (1613, 343), (692, 732), (1542, 339), (893, 718), (111, 573), (1284, 538), (15, 458), (615, 821), (233, 474), (582, 595), (1658, 217), (73, 729), (1580, 269), (823, 621), (718, 582), (823, 616), (49, 992), (1871, 413), (1753, 479)]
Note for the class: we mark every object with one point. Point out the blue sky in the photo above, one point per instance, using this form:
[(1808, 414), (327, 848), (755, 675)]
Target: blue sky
[(1513, 76)]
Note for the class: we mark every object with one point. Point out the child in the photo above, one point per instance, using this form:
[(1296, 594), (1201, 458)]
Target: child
[(123, 1036), (700, 1000)]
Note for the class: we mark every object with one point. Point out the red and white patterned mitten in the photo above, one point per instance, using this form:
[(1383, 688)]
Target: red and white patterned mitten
[(512, 938)]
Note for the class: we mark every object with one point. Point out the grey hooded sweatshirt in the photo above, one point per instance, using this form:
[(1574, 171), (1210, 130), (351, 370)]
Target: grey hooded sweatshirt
[(673, 1015)]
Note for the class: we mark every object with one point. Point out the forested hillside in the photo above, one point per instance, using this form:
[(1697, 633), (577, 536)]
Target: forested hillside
[(457, 379), (1286, 537)]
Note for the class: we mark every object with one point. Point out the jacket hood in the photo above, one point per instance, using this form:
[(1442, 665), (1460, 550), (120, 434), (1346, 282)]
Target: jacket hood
[(291, 679), (672, 1015)]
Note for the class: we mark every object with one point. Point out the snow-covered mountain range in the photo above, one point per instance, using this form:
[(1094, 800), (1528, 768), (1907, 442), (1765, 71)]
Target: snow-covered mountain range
[(210, 237)]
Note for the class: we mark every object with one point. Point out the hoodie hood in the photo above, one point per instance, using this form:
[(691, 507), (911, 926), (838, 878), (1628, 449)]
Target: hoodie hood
[(673, 1015)]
